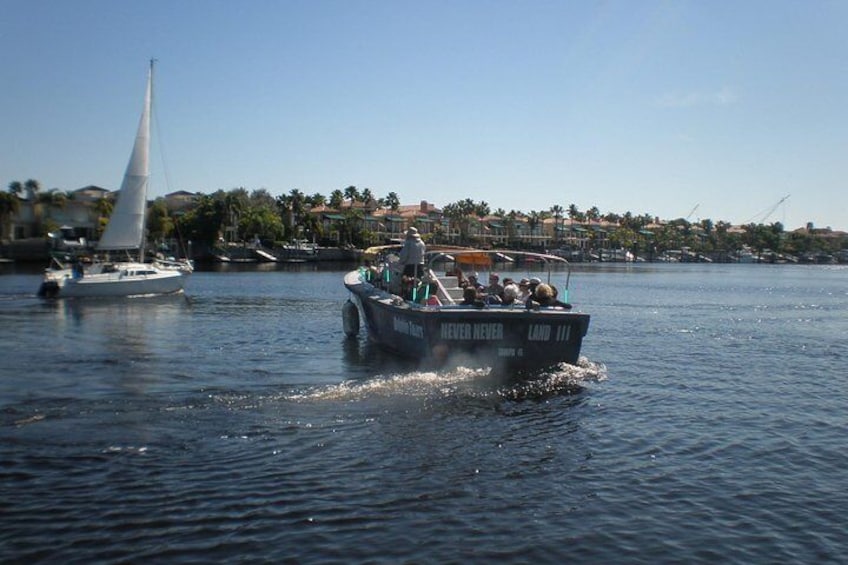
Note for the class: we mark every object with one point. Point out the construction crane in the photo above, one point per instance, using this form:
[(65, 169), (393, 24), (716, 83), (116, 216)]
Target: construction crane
[(763, 216), (692, 211)]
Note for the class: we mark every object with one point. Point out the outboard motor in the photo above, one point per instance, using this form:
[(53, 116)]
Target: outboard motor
[(48, 289)]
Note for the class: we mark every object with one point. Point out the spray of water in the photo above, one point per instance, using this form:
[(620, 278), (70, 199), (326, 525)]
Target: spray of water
[(462, 381)]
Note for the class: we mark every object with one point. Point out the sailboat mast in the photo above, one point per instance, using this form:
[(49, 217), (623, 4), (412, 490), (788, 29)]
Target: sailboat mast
[(149, 109)]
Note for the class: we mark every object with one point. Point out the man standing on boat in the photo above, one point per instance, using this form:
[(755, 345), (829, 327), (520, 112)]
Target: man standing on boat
[(412, 254)]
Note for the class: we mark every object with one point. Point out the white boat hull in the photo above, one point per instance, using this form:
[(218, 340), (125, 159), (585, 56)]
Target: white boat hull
[(125, 280)]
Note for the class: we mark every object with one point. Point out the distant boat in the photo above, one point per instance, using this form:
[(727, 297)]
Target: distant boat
[(509, 338), (128, 276), (298, 251)]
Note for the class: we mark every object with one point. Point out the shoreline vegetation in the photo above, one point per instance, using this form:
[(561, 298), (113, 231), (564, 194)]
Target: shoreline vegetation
[(254, 226)]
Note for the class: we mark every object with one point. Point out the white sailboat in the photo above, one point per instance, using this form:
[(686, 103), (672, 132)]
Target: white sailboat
[(124, 233)]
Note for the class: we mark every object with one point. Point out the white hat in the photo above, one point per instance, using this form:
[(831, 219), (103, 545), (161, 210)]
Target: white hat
[(412, 232)]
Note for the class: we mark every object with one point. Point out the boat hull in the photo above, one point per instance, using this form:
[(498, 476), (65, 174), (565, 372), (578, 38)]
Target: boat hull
[(63, 283), (504, 338)]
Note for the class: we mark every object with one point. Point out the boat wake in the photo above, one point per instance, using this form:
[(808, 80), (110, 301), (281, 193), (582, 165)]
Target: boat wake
[(463, 382), (556, 381)]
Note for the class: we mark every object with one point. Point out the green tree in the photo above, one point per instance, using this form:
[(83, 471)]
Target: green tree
[(261, 197), (48, 201), (160, 225), (32, 188), (459, 216), (103, 207), (392, 201), (29, 190), (623, 238), (261, 221), (316, 200), (367, 197), (481, 210), (352, 194), (534, 218), (557, 212), (9, 206), (350, 228), (337, 199), (292, 210), (203, 223)]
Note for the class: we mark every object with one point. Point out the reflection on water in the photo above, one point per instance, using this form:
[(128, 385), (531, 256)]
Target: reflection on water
[(130, 311)]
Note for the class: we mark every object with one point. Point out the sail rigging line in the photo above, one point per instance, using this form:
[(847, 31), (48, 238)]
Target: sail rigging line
[(156, 133)]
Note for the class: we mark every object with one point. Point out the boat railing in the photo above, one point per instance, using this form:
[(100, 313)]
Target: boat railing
[(386, 272), (479, 258)]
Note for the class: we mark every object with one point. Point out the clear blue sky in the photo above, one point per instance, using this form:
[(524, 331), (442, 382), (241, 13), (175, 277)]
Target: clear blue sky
[(642, 106)]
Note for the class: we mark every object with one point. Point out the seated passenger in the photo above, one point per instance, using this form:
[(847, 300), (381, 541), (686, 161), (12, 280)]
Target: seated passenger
[(558, 301), (470, 297), (510, 294), (494, 288), (544, 296), (460, 278), (523, 290)]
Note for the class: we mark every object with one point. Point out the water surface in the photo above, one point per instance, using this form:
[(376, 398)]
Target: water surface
[(706, 422)]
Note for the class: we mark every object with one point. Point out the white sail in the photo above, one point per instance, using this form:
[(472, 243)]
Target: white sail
[(126, 226)]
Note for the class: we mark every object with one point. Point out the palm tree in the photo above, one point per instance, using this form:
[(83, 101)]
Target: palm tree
[(392, 202), (574, 213), (458, 214), (9, 206), (352, 194), (336, 199), (316, 200), (351, 227), (312, 227), (533, 220), (53, 198), (32, 187), (292, 210), (481, 210), (511, 219), (33, 191), (371, 203), (557, 212), (235, 202), (29, 189)]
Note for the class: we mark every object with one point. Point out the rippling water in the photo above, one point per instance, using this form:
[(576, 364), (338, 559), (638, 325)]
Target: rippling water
[(706, 423)]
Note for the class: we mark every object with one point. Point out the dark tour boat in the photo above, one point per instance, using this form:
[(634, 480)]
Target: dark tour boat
[(505, 337)]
